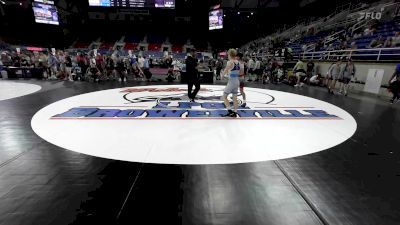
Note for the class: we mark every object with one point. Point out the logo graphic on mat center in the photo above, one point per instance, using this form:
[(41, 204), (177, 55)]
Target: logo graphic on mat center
[(172, 103)]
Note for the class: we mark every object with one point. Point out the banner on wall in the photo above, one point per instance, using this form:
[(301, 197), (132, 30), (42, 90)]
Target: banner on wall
[(374, 81)]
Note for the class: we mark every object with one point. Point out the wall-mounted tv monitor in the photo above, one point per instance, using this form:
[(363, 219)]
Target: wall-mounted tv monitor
[(45, 13), (216, 19)]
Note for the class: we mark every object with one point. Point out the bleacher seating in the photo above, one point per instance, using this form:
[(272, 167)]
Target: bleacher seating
[(106, 45), (177, 48), (332, 35), (82, 44), (134, 38), (131, 46), (154, 47), (154, 39)]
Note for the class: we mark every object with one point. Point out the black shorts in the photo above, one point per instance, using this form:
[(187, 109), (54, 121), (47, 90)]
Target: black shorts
[(395, 86), (345, 80), (147, 73)]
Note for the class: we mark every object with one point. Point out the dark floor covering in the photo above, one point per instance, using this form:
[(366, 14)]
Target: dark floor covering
[(356, 182)]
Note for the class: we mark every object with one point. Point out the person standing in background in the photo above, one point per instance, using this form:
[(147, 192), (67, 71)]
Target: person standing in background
[(232, 71), (141, 62), (334, 74), (53, 64), (348, 73), (192, 75), (242, 77), (68, 66), (120, 69), (310, 70), (250, 65), (300, 71), (394, 85), (218, 68), (257, 69), (62, 63)]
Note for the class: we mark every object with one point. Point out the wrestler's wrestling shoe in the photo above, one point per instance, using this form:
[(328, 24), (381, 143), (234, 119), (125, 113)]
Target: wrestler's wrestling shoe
[(230, 114)]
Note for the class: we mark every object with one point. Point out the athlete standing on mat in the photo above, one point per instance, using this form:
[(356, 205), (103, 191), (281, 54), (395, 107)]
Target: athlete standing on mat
[(192, 75), (232, 71), (242, 77)]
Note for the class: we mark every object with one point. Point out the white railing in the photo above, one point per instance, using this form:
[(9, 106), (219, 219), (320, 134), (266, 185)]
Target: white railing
[(374, 54)]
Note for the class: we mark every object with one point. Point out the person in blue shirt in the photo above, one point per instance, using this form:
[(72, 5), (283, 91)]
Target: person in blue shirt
[(146, 69)]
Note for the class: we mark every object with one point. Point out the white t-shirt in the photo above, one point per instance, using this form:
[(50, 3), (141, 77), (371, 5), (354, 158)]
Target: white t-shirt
[(141, 62), (313, 79), (250, 64), (241, 72), (257, 65)]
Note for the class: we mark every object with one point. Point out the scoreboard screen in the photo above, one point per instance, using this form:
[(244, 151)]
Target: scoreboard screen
[(134, 3)]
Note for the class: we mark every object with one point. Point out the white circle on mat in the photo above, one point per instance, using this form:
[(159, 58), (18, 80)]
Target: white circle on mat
[(154, 124), (9, 90)]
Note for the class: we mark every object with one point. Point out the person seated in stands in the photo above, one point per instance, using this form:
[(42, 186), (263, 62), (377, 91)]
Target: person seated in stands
[(330, 47), (319, 45), (376, 43), (370, 30), (353, 46), (146, 69), (367, 32), (396, 40), (388, 42), (343, 45), (357, 35)]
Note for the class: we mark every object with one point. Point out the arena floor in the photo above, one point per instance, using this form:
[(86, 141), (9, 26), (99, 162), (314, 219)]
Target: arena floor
[(355, 182)]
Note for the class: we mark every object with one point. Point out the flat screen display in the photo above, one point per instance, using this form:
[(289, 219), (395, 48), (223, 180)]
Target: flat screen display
[(216, 19), (45, 13), (134, 3), (49, 2)]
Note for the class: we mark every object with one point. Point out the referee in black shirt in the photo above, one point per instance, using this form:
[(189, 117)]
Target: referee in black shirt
[(192, 75)]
